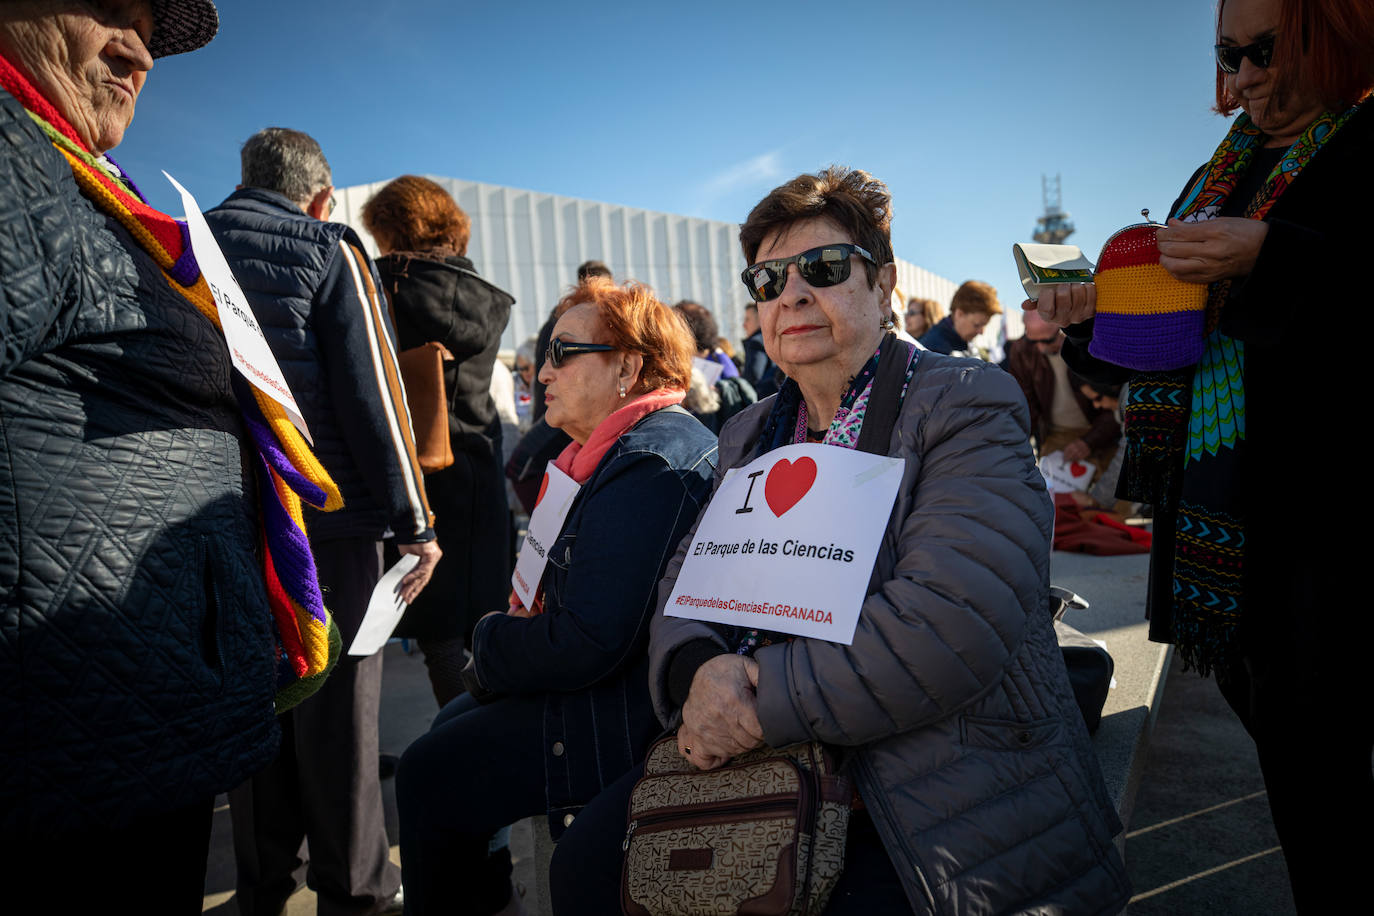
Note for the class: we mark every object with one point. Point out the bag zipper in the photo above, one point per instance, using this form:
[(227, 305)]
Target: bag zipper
[(724, 812)]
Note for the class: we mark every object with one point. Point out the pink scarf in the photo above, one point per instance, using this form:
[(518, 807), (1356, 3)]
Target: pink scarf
[(579, 461)]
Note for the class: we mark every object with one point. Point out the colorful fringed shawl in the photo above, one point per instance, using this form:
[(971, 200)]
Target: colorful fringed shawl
[(1193, 420), (287, 471)]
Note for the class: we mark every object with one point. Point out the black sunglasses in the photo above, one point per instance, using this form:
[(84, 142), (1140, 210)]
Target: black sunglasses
[(559, 351), (1261, 54), (820, 267)]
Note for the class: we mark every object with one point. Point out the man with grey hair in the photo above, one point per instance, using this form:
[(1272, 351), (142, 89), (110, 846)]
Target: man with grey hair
[(315, 294)]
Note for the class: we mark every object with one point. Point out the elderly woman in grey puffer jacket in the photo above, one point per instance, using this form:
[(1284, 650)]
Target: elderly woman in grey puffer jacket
[(978, 791)]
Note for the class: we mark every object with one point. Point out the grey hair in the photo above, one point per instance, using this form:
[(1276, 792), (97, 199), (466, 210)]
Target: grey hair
[(526, 350), (286, 161)]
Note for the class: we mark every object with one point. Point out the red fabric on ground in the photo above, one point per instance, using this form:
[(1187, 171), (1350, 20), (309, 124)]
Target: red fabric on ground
[(1099, 534)]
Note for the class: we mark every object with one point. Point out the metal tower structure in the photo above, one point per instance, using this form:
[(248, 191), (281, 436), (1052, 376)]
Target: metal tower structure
[(1055, 225)]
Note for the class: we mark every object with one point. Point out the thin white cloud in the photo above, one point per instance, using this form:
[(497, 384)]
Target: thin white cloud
[(766, 167)]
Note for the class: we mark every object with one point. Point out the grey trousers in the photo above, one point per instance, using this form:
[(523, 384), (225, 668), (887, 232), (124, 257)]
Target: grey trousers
[(323, 786)]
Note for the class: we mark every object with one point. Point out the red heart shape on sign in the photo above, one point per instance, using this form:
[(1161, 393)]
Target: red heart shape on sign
[(543, 485), (787, 483), (1078, 470)]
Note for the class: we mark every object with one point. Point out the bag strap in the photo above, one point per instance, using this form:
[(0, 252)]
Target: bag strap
[(885, 400)]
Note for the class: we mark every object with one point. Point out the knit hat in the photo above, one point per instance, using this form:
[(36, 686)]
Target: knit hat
[(182, 25), (1146, 319)]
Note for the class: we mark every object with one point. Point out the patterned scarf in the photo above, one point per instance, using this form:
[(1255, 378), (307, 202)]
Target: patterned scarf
[(1185, 430), (781, 429), (287, 470)]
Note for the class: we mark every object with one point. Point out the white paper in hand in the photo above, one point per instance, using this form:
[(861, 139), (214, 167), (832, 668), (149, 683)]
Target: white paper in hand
[(248, 349), (384, 609)]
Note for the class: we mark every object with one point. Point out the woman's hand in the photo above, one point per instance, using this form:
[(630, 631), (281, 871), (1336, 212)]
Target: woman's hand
[(1077, 450), (517, 609), (414, 582), (1210, 250), (720, 718), (1063, 304)]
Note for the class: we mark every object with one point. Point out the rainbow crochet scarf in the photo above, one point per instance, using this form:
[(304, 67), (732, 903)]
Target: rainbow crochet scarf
[(1185, 429), (287, 470)]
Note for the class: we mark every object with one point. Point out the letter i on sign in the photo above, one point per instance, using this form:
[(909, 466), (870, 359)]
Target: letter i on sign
[(746, 507)]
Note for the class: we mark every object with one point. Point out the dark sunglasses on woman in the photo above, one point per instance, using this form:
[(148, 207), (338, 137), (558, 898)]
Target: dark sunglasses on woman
[(827, 265), (560, 350), (1261, 54)]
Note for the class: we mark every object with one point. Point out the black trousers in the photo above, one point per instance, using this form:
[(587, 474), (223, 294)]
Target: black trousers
[(323, 785), (478, 769), (1314, 732), (584, 877)]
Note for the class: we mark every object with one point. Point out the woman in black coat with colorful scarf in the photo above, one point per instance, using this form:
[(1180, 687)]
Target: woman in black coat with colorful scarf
[(1242, 579)]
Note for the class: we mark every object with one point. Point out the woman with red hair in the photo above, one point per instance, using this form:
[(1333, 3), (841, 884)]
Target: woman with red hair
[(558, 705), (1276, 225), (437, 295)]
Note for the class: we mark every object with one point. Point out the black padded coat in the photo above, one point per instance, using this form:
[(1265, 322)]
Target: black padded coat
[(136, 669), (437, 298)]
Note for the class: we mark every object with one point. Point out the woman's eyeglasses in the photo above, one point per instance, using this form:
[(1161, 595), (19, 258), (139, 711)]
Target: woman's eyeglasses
[(560, 350), (820, 267), (1261, 54)]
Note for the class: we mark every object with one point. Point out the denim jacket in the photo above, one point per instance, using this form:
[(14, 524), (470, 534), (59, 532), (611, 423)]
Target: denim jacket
[(588, 651)]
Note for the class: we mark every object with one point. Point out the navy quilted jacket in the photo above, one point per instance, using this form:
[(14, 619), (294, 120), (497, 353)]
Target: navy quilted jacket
[(317, 297), (136, 670)]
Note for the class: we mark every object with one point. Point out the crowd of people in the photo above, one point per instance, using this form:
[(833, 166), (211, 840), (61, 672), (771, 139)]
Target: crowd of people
[(182, 569)]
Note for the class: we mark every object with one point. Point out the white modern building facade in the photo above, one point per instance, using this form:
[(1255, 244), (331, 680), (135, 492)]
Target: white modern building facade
[(530, 244)]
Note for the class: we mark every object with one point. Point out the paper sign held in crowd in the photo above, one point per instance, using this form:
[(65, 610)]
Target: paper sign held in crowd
[(788, 542), (556, 495), (248, 347), (710, 369), (1065, 476)]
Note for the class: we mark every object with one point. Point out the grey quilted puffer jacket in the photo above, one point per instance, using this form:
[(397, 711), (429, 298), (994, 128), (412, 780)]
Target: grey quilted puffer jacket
[(136, 669), (967, 747)]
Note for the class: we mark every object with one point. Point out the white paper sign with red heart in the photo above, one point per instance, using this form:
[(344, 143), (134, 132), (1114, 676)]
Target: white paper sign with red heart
[(788, 542), (1064, 476)]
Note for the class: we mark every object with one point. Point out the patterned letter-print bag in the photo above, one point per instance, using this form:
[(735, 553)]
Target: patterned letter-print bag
[(762, 835)]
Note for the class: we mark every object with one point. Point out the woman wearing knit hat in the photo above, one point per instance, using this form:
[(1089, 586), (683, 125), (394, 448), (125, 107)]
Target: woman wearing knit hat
[(154, 578)]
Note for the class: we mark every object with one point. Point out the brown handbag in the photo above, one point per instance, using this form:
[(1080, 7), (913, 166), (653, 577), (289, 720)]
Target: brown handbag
[(422, 373), (762, 835)]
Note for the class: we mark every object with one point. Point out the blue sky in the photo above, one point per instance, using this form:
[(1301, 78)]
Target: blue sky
[(703, 108)]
